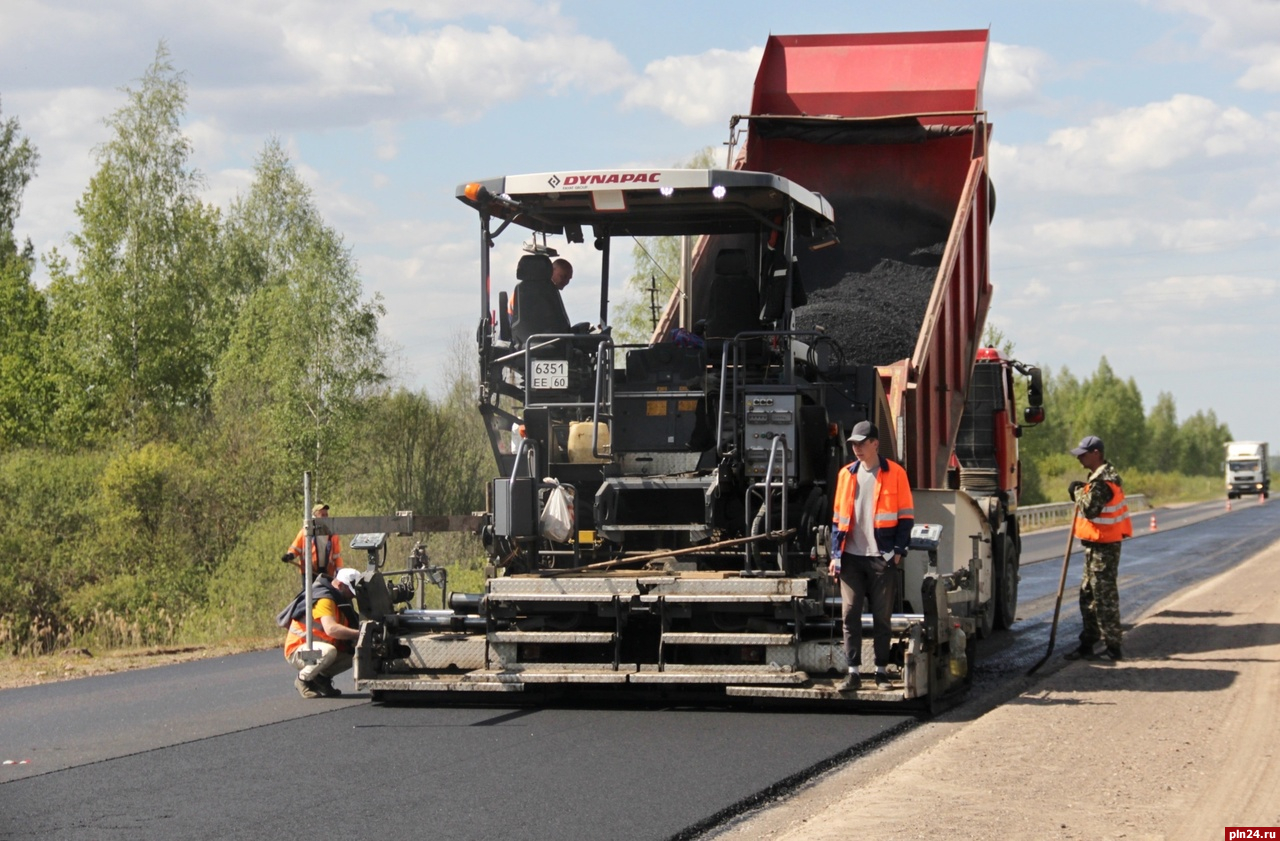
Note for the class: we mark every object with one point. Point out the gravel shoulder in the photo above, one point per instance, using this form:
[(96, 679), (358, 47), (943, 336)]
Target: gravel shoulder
[(1178, 741)]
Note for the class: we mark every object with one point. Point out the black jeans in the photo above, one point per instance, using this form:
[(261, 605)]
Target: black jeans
[(859, 577)]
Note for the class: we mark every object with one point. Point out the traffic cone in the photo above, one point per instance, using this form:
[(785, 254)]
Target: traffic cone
[(1228, 504), (1153, 522)]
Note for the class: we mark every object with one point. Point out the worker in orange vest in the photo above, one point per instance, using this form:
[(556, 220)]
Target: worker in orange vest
[(334, 631), (1101, 522), (326, 555), (872, 516)]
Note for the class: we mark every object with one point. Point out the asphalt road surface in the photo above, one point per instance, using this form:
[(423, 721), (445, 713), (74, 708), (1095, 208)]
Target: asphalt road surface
[(225, 748)]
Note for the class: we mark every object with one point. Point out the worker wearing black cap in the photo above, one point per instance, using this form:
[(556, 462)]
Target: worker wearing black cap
[(1101, 522), (871, 530)]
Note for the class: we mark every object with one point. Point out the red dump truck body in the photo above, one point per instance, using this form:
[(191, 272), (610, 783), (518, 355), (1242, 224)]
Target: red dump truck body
[(920, 94)]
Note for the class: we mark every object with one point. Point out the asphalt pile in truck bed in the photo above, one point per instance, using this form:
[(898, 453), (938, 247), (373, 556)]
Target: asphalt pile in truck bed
[(870, 292)]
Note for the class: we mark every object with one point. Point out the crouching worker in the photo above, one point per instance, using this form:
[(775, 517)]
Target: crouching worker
[(334, 632)]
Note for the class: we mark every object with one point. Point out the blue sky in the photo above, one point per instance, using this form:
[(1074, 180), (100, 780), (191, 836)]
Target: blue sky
[(1136, 152)]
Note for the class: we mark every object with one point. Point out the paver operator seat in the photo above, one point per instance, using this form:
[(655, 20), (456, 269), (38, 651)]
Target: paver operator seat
[(734, 305), (536, 306)]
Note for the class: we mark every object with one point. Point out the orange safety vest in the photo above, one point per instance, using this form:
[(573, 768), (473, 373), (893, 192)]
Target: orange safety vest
[(893, 504), (334, 562), (1112, 523), (297, 636)]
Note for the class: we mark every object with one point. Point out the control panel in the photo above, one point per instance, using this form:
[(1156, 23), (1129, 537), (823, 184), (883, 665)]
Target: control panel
[(768, 417)]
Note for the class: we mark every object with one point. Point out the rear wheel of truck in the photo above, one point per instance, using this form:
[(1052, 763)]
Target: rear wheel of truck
[(1007, 585)]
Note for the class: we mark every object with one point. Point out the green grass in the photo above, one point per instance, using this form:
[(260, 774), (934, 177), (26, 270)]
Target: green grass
[(1159, 488), (242, 597)]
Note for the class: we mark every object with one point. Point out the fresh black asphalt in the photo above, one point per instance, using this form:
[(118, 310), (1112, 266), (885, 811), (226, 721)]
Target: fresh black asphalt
[(367, 771)]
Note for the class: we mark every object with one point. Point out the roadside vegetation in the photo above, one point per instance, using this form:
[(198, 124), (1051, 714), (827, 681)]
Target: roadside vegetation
[(161, 397), (1169, 460)]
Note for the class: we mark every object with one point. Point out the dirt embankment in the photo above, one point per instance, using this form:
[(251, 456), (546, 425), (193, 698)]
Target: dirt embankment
[(1177, 742)]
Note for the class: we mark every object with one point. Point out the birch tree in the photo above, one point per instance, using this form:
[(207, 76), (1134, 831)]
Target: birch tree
[(135, 308), (304, 349)]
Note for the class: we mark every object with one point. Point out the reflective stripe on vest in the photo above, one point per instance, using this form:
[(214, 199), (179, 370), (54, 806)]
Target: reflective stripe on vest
[(1111, 514), (847, 491), (298, 629), (1112, 524)]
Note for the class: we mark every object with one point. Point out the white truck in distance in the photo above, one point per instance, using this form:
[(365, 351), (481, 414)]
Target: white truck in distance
[(1248, 469)]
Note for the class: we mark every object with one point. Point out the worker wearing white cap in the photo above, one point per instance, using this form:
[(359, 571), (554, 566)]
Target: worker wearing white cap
[(334, 631)]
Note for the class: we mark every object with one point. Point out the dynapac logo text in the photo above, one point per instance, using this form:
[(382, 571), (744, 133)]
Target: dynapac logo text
[(611, 178)]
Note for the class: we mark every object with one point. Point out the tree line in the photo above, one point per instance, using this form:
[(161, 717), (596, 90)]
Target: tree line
[(1152, 448), (161, 397)]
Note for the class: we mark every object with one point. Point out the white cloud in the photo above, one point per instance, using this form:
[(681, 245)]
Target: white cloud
[(1149, 137), (388, 148), (209, 139), (67, 117), (65, 126), (1208, 235), (1014, 76), (1112, 153), (282, 66), (351, 76), (698, 89), (1246, 30), (1075, 233), (1213, 292)]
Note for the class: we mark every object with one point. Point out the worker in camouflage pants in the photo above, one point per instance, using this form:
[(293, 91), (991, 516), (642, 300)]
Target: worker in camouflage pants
[(1101, 522), (1100, 598)]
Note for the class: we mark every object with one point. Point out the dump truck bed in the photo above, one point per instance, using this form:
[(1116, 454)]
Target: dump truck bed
[(888, 128)]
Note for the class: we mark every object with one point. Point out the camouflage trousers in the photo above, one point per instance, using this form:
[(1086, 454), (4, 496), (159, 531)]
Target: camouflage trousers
[(1100, 595)]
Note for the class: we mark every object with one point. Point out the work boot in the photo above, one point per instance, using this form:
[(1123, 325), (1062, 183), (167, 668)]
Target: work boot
[(1084, 652), (1112, 653), (306, 688), (882, 680), (324, 685), (851, 682)]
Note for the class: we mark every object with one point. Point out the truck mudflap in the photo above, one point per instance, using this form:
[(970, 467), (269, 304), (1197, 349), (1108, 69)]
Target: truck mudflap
[(787, 647)]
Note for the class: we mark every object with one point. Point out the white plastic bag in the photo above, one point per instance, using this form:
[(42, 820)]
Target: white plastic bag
[(556, 522)]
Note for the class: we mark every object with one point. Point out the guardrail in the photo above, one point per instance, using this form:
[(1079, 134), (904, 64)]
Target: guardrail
[(1032, 517)]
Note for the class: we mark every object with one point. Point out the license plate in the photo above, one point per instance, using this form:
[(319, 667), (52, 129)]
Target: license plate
[(550, 374)]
